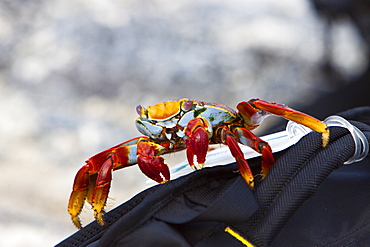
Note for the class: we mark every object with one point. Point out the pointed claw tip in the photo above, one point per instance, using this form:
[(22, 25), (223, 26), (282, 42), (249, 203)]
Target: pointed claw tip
[(76, 221), (200, 165), (249, 179), (251, 184), (196, 166), (325, 138), (99, 217)]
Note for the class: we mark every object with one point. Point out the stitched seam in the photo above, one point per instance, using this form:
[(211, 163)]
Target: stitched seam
[(359, 237), (349, 234)]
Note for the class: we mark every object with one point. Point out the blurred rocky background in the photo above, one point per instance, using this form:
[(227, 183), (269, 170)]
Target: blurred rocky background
[(73, 71)]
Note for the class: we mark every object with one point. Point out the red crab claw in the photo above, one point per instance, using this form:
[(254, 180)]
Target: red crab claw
[(150, 163), (102, 186), (94, 188), (93, 180), (78, 195), (196, 142)]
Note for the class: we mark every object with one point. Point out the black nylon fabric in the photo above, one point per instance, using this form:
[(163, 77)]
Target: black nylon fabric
[(304, 201), (282, 194), (337, 215), (235, 204), (207, 197)]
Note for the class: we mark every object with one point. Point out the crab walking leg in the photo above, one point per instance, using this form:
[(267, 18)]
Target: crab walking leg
[(247, 138), (229, 139), (98, 166), (296, 116)]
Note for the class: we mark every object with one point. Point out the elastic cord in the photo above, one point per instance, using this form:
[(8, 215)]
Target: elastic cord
[(361, 143), (296, 130)]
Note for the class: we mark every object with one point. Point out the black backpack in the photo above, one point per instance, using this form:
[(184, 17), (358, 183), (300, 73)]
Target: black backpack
[(309, 198)]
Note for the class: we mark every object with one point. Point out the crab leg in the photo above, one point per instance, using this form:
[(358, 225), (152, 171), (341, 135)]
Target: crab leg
[(250, 110), (99, 166), (229, 139), (247, 138)]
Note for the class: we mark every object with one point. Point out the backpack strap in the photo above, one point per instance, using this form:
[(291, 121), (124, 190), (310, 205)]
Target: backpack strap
[(296, 176)]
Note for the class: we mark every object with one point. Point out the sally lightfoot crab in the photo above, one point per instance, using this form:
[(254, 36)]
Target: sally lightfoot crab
[(177, 125)]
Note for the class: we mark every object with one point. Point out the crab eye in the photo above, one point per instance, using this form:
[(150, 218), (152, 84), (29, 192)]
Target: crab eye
[(139, 109), (188, 105)]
